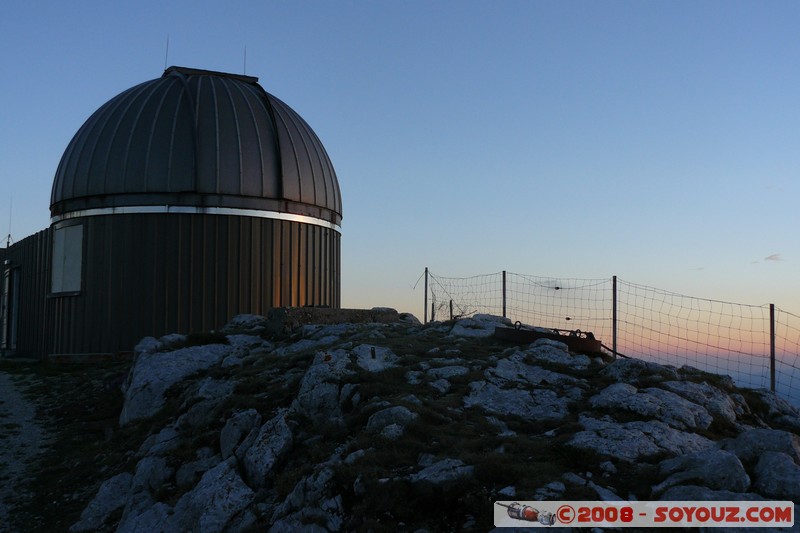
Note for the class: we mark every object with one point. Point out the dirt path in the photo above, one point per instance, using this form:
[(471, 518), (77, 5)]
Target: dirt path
[(22, 438)]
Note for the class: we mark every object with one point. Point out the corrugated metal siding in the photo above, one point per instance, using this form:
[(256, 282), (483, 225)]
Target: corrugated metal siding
[(158, 274)]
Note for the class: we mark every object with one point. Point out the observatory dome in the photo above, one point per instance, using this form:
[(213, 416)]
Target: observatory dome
[(197, 141)]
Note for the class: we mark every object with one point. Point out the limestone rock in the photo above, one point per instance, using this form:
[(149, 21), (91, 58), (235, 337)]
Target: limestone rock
[(776, 411), (718, 404), (555, 352), (447, 372), (238, 426), (480, 325), (715, 469), (751, 444), (153, 373), (151, 474), (247, 324), (111, 496), (443, 471), (216, 499), (318, 398), (538, 404), (636, 372), (777, 476), (514, 368), (653, 403), (374, 358), (311, 501), (271, 443), (186, 476), (161, 443), (632, 441), (398, 415), (155, 519)]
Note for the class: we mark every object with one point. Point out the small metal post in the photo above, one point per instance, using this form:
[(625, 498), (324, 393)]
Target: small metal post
[(772, 347), (504, 294), (614, 316), (425, 304), (433, 312), (451, 309)]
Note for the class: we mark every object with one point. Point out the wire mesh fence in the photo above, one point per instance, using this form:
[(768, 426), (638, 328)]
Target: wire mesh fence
[(758, 346)]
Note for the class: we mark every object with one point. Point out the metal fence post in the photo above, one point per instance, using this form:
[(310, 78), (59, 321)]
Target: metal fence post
[(425, 304), (614, 316), (504, 294), (772, 347)]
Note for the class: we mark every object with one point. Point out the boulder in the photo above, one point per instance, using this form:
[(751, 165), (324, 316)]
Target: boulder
[(374, 358), (514, 368), (653, 403), (272, 442), (246, 324), (311, 501), (111, 496), (713, 468), (447, 372), (537, 404), (634, 441), (480, 325), (751, 444), (318, 397), (237, 427), (155, 518), (777, 476), (186, 476), (443, 471), (215, 500), (399, 415), (153, 373), (718, 403), (636, 372), (555, 352)]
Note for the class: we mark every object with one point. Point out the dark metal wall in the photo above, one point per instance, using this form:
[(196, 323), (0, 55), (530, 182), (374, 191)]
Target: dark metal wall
[(153, 274), (31, 259)]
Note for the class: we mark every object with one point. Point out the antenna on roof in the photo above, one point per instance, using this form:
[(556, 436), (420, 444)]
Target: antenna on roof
[(166, 53), (10, 206), (245, 60)]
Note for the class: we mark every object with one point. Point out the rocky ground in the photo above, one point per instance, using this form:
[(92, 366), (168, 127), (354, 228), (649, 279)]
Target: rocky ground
[(390, 427)]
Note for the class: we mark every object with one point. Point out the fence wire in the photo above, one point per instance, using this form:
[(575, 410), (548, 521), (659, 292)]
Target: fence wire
[(653, 324)]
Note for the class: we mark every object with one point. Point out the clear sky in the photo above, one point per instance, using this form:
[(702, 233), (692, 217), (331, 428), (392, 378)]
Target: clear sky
[(655, 141)]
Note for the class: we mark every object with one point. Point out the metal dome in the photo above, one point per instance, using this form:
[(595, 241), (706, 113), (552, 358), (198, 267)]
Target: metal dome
[(197, 141)]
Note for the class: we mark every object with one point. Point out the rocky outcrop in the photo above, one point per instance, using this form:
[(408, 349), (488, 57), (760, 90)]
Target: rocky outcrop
[(377, 425)]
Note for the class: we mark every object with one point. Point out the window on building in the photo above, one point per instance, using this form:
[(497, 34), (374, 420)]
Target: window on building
[(67, 259)]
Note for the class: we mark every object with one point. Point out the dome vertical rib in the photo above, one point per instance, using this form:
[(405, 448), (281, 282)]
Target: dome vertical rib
[(197, 138)]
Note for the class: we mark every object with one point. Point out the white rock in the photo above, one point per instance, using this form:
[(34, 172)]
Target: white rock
[(719, 404), (244, 341), (151, 474), (111, 496), (605, 494), (633, 371), (398, 414), (552, 351), (447, 372), (237, 427), (441, 385), (777, 476), (161, 443), (751, 444), (155, 519), (514, 368), (715, 469), (153, 374), (538, 404), (318, 397), (272, 442), (310, 502), (653, 403), (252, 324), (632, 441), (374, 358), (186, 475), (480, 325), (443, 471), (218, 497)]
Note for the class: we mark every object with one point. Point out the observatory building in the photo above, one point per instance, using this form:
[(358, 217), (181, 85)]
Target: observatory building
[(179, 203)]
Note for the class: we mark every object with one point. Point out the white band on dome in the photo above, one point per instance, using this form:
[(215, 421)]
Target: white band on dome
[(179, 209)]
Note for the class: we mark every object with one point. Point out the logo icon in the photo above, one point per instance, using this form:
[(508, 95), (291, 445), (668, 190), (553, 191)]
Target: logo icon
[(518, 511)]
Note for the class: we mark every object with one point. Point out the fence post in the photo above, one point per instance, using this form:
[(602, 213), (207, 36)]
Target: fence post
[(772, 347), (425, 304), (614, 316), (451, 309), (504, 294)]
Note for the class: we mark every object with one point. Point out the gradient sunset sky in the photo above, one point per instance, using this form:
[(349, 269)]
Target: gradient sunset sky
[(655, 141)]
